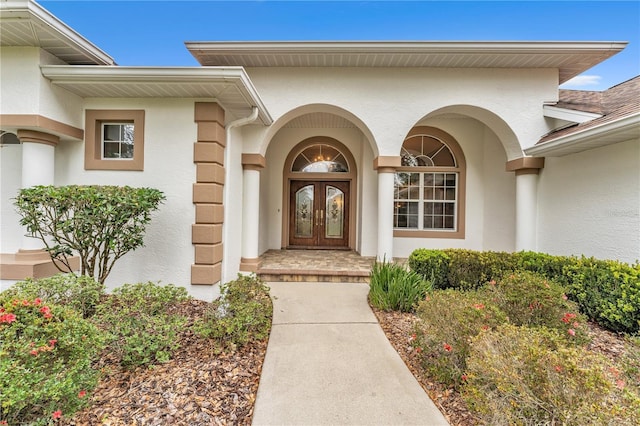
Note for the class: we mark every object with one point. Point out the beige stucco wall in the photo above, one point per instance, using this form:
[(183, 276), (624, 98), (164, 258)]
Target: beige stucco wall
[(589, 203)]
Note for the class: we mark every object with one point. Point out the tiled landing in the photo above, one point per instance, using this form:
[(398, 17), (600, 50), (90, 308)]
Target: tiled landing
[(314, 265)]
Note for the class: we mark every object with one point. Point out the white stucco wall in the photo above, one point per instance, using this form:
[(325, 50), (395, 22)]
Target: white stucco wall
[(25, 91), (390, 101), (589, 203), (170, 132)]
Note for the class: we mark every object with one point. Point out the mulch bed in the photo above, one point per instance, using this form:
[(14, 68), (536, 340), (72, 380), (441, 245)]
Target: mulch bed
[(199, 386), (398, 327), (203, 386)]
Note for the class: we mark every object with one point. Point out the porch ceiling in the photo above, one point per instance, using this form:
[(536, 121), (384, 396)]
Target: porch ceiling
[(26, 23), (570, 58), (228, 85)]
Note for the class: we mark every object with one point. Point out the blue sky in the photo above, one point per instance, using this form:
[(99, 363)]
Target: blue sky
[(153, 32)]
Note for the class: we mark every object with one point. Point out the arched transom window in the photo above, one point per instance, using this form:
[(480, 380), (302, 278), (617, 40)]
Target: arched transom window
[(429, 185), (320, 158)]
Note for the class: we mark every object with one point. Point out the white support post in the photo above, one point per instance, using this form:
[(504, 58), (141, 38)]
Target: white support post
[(385, 213), (526, 211), (250, 213), (38, 165), (252, 164)]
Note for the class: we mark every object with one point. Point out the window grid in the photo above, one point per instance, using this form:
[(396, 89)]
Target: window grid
[(117, 141), (426, 200)]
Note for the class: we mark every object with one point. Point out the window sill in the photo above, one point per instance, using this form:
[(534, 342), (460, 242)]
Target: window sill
[(401, 233)]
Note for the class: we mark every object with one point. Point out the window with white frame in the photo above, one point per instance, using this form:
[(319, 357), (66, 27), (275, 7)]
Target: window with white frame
[(114, 140), (428, 185), (117, 141)]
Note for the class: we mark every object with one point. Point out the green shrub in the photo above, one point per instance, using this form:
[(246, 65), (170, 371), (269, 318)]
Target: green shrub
[(520, 375), (100, 224), (606, 291), (137, 317), (243, 313), (448, 319), (46, 352), (530, 299), (544, 264), (81, 293), (467, 269), (433, 265), (393, 288)]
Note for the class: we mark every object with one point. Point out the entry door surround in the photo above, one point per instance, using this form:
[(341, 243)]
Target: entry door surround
[(338, 186)]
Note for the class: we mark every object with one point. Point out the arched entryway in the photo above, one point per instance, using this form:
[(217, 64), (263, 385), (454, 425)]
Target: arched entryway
[(319, 195)]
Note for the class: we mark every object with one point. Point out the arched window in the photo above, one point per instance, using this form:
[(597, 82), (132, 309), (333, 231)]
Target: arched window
[(429, 187), (320, 158)]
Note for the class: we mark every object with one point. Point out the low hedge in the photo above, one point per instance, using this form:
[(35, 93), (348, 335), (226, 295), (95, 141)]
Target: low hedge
[(607, 291)]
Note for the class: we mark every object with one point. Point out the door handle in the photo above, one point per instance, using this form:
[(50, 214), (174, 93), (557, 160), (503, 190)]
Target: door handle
[(316, 217), (321, 217)]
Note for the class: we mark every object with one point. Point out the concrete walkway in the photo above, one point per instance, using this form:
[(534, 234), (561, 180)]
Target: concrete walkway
[(329, 363)]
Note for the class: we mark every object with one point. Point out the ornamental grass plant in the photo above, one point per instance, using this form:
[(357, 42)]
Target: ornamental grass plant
[(393, 287)]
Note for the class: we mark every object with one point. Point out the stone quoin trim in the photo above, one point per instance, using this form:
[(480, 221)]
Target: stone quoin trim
[(208, 155)]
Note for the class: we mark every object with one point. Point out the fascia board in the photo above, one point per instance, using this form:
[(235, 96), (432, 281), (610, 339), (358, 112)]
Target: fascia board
[(611, 129), (571, 115), (408, 46)]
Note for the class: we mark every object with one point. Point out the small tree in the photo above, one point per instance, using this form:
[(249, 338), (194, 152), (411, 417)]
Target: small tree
[(99, 223)]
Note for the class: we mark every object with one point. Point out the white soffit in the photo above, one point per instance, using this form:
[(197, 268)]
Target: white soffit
[(570, 58), (571, 115), (621, 130), (27, 24), (228, 85)]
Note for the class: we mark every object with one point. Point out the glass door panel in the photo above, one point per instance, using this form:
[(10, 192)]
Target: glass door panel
[(334, 208), (303, 225)]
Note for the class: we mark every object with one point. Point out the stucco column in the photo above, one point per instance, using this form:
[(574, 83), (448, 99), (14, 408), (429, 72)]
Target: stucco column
[(386, 167), (38, 164), (527, 170), (252, 164)]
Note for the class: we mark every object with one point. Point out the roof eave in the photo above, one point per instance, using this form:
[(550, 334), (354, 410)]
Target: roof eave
[(566, 114), (40, 16), (615, 131), (92, 75)]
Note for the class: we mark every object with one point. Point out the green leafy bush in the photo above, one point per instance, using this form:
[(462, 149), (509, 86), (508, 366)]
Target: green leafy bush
[(521, 375), (81, 293), (138, 318), (607, 292), (530, 299), (433, 265), (46, 353), (242, 313), (467, 269), (98, 223), (448, 319), (394, 288), (544, 264)]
